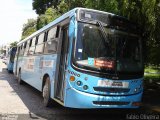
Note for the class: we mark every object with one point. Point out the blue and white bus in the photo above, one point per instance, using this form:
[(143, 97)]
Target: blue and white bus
[(10, 59), (84, 59)]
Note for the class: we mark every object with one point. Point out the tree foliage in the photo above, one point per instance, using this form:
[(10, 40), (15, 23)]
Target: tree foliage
[(42, 5), (46, 18), (13, 44), (29, 28), (104, 5)]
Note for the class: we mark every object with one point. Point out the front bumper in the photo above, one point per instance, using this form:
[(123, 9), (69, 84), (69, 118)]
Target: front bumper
[(77, 99)]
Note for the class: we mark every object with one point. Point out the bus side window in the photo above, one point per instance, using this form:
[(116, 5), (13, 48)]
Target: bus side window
[(52, 41), (18, 50), (22, 49), (26, 48), (32, 46), (40, 44)]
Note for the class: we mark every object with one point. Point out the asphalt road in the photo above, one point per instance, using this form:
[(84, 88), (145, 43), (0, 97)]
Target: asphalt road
[(23, 102)]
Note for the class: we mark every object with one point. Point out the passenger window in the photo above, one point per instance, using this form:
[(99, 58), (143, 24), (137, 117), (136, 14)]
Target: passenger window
[(40, 44), (18, 50), (26, 48), (32, 47), (22, 49), (51, 46), (33, 42), (52, 34), (52, 41), (41, 38)]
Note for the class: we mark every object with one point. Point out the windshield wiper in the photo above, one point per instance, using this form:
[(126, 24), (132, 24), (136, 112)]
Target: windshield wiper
[(104, 34), (101, 26)]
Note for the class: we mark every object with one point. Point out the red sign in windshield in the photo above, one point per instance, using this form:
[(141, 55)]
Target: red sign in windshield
[(104, 63)]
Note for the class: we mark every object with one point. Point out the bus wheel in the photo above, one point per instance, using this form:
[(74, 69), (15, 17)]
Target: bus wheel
[(46, 93), (19, 78)]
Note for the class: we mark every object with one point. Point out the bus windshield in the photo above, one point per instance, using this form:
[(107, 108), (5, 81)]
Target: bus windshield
[(119, 51)]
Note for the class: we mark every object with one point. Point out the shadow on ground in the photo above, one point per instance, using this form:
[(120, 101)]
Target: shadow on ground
[(151, 95)]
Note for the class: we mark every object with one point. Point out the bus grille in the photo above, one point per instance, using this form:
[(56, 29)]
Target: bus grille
[(110, 103), (111, 90)]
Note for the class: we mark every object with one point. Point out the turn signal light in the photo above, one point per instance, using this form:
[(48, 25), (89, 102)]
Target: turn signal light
[(136, 104), (72, 78)]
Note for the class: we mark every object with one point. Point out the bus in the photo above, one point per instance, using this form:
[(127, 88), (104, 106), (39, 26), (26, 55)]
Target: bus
[(10, 59), (84, 59)]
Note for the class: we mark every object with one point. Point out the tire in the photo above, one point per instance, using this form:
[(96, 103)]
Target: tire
[(46, 93), (19, 78)]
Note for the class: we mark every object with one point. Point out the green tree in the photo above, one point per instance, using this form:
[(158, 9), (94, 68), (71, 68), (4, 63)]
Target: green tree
[(46, 18), (29, 28), (103, 5), (13, 44), (63, 7), (41, 21), (153, 44), (42, 5)]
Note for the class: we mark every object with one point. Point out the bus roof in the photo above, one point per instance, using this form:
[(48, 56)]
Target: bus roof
[(64, 16)]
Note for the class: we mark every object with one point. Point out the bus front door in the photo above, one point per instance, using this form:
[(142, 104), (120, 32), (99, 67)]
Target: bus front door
[(60, 82)]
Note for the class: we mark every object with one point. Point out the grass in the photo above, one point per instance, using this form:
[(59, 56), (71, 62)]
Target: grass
[(152, 76), (150, 70)]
